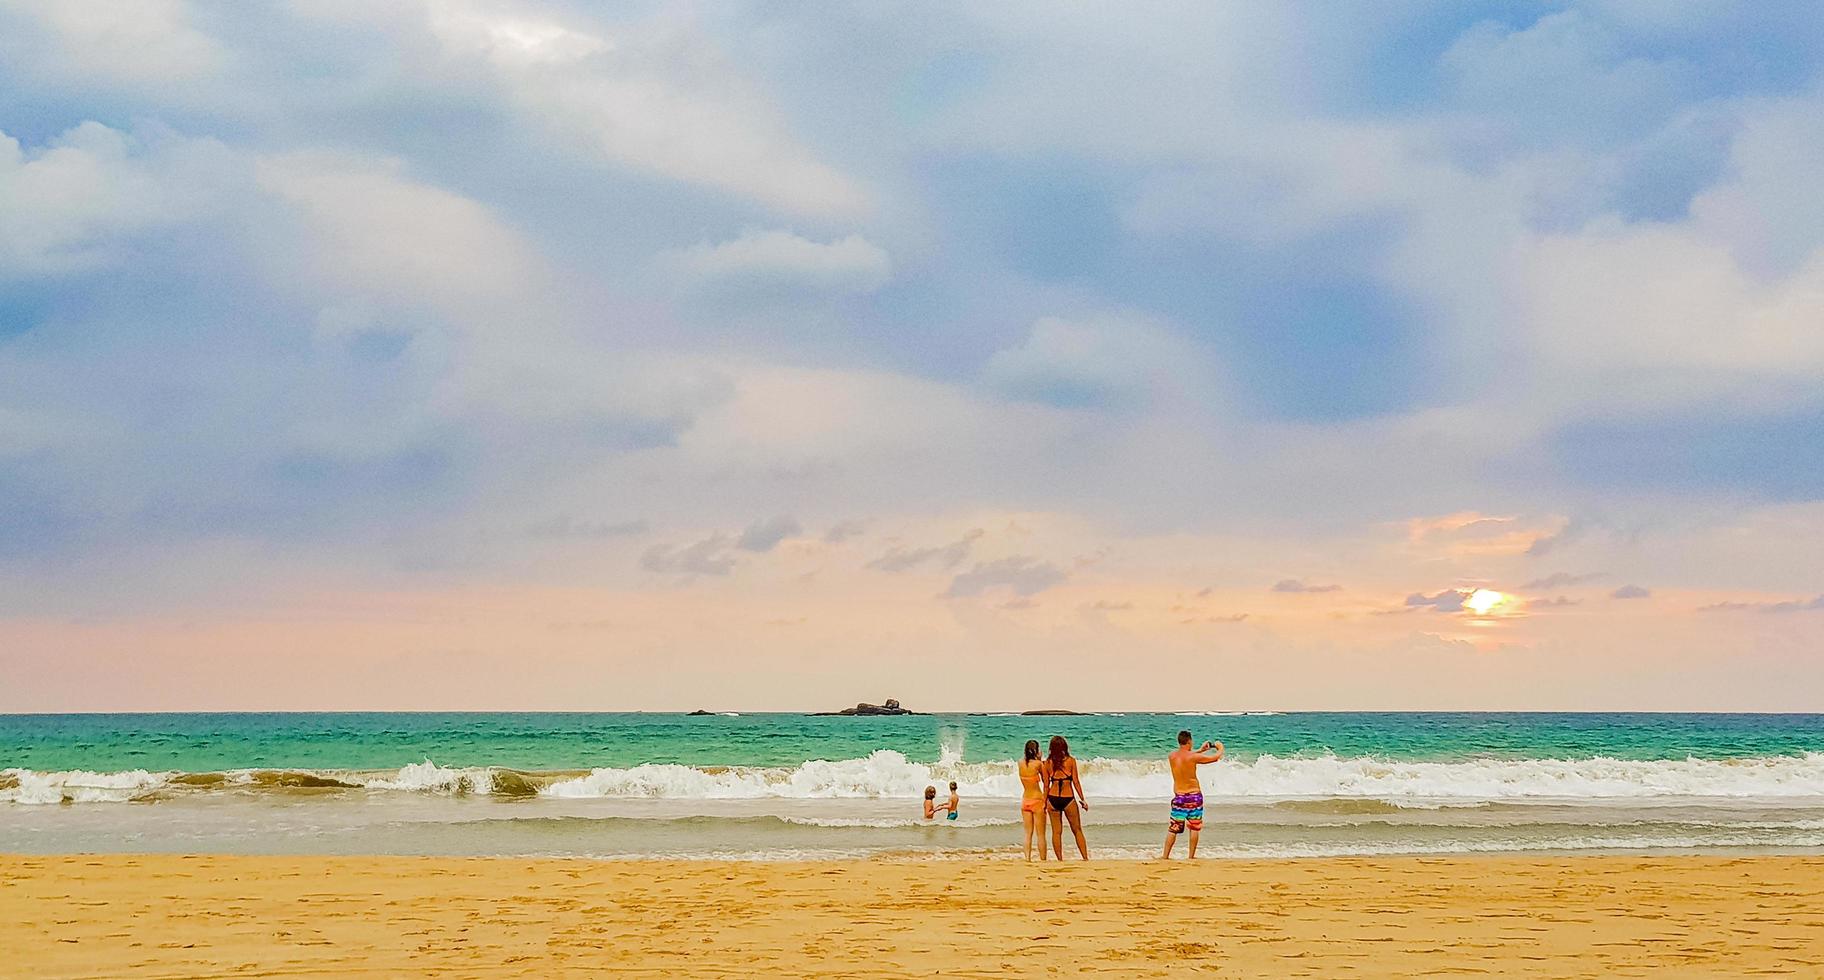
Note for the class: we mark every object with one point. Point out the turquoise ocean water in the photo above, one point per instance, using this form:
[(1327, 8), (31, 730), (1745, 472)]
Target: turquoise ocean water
[(787, 785)]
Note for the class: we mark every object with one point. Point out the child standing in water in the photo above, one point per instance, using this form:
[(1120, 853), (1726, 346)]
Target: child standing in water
[(931, 806), (955, 801)]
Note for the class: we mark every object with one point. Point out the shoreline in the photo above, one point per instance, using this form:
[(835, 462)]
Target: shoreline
[(971, 712), (201, 915)]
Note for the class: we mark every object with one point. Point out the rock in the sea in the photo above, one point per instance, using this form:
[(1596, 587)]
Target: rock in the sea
[(699, 713), (864, 708)]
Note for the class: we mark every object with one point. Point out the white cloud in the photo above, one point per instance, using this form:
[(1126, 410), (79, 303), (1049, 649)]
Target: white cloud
[(1081, 81), (1497, 209), (1767, 211), (140, 41), (72, 204), (1564, 71), (1078, 364), (656, 99), (1661, 302), (860, 432), (377, 230), (586, 402), (508, 38), (780, 260), (1543, 309)]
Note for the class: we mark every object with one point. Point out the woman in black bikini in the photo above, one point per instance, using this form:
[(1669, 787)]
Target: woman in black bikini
[(1064, 797)]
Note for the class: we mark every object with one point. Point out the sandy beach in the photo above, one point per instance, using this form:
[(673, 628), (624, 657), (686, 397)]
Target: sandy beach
[(180, 916)]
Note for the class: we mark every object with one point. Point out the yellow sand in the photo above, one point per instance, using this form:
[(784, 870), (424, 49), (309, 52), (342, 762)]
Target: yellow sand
[(165, 916)]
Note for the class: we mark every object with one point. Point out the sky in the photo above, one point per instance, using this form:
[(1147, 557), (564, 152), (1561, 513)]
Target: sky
[(460, 354)]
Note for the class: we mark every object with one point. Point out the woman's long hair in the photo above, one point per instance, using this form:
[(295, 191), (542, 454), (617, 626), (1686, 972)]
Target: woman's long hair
[(1060, 750), (1032, 749)]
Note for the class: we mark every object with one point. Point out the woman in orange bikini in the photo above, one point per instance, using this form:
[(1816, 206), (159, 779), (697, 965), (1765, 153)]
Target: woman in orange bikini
[(1064, 796), (1032, 798)]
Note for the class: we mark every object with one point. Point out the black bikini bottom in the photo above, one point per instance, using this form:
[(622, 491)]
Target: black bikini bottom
[(1061, 803)]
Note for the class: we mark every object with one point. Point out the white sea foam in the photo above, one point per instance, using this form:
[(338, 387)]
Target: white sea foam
[(77, 786), (950, 749), (1516, 779), (887, 774), (884, 773), (427, 776)]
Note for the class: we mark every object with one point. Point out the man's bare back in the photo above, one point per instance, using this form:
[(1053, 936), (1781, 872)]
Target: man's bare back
[(1184, 763)]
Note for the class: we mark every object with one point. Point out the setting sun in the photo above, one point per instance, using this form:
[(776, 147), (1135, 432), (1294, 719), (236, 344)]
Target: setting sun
[(1482, 601)]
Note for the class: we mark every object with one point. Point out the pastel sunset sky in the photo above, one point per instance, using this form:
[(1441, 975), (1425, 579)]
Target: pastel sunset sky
[(468, 354)]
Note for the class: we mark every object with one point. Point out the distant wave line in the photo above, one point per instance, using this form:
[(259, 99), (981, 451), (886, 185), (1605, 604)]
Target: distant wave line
[(887, 774)]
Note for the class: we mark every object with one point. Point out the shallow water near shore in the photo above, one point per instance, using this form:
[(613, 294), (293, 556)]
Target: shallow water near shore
[(776, 786)]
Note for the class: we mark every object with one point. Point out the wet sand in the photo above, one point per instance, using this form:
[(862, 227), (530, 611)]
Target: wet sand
[(174, 916)]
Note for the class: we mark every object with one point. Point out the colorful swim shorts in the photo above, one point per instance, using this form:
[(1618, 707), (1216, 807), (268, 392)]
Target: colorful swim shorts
[(1187, 811)]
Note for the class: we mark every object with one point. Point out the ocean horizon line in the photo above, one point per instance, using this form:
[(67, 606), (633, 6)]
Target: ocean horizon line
[(971, 712)]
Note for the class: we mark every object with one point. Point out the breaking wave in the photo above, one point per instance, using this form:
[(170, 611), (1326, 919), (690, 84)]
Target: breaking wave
[(77, 786), (888, 774), (81, 786)]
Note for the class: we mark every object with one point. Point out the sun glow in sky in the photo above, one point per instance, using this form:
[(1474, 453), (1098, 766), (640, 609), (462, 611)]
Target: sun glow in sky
[(1483, 601), (551, 354)]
